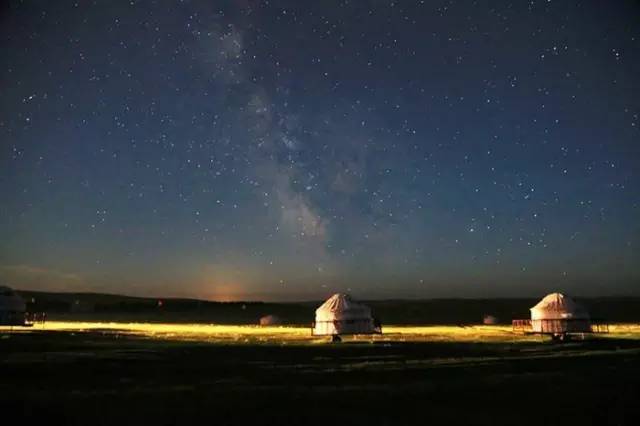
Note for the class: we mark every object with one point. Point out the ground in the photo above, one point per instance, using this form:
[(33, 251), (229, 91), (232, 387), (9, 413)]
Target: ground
[(123, 374)]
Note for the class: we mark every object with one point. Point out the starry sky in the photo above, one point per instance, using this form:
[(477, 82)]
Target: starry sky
[(285, 150)]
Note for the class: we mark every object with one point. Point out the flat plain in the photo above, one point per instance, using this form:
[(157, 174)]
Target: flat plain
[(79, 373)]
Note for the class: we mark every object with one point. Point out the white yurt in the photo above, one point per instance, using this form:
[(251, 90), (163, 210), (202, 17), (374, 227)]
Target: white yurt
[(342, 315), (559, 314), (270, 320), (489, 320), (12, 307)]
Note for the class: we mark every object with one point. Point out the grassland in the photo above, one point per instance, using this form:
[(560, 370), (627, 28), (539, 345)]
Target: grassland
[(169, 374), (216, 333)]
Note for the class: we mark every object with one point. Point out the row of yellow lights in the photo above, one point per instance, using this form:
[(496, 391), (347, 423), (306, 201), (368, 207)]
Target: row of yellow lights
[(280, 333)]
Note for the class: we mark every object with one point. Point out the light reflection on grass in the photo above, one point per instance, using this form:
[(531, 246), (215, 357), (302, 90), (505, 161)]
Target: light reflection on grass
[(300, 335)]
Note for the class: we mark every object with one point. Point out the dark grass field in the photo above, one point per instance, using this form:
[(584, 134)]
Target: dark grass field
[(100, 378)]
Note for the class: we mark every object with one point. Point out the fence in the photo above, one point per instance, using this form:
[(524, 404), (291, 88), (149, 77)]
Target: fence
[(559, 326)]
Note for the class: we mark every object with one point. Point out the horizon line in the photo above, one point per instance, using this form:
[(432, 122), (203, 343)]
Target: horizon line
[(291, 301)]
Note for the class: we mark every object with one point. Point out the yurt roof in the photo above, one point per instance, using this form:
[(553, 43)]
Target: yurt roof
[(270, 317), (558, 303), (342, 306)]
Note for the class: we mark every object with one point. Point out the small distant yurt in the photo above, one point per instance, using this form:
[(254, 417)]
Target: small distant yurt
[(489, 320), (559, 314), (12, 307), (270, 320), (342, 315)]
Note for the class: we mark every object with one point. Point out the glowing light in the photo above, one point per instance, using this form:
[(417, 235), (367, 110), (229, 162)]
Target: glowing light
[(302, 334)]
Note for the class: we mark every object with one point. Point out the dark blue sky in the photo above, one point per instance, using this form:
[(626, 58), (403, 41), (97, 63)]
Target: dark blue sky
[(286, 150)]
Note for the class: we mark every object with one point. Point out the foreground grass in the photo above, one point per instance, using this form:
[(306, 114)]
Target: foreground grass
[(166, 374)]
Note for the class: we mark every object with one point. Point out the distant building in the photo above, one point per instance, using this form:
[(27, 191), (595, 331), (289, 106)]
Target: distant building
[(489, 320), (12, 307), (342, 315), (559, 314), (560, 317), (270, 320)]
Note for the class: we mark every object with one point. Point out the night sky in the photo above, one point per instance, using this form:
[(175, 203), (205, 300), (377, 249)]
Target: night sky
[(285, 150)]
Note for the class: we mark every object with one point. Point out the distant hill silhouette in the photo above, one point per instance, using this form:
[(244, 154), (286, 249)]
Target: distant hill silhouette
[(109, 307)]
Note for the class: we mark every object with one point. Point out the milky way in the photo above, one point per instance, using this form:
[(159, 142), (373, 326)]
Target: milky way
[(287, 150)]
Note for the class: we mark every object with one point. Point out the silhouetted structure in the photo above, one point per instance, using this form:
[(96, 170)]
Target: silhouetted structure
[(341, 315), (559, 316)]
